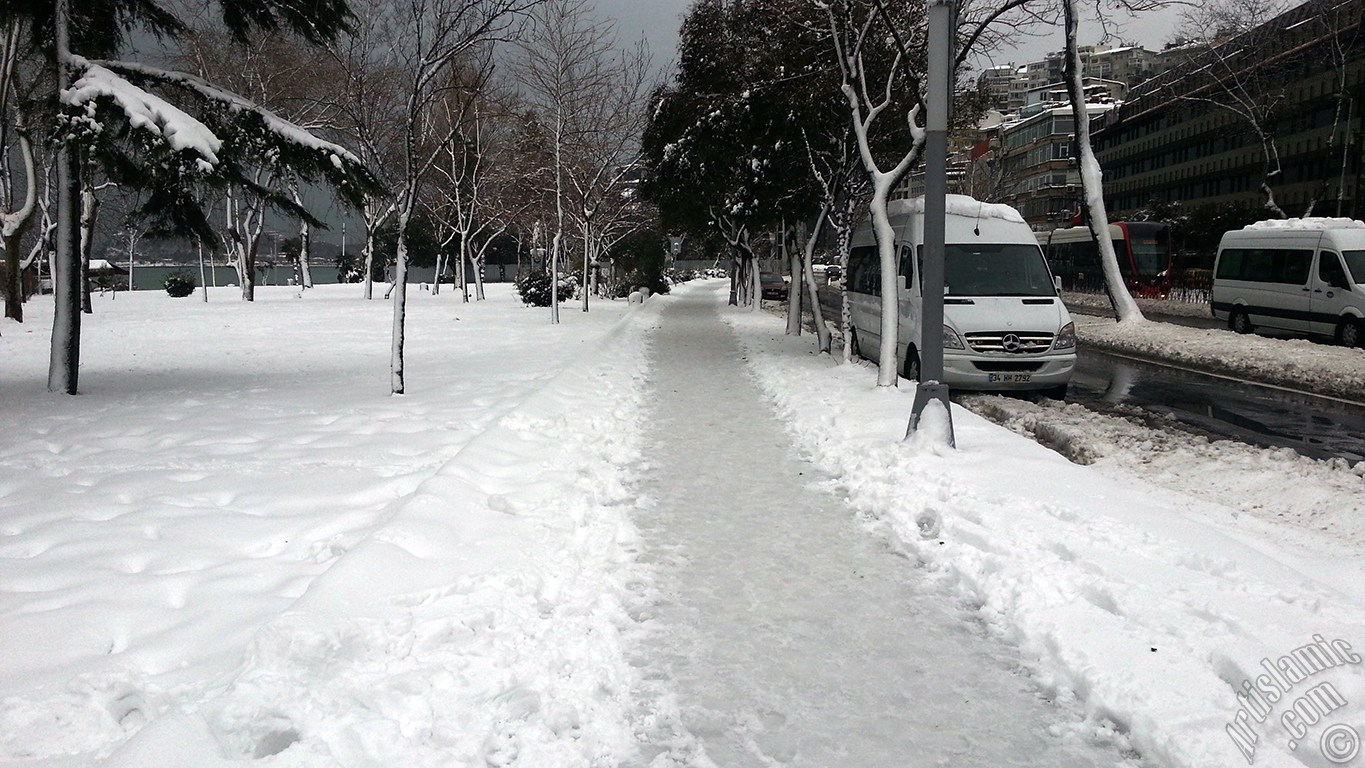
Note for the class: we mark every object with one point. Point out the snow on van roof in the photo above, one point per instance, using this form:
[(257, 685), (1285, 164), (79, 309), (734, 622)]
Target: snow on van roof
[(1307, 222), (960, 205)]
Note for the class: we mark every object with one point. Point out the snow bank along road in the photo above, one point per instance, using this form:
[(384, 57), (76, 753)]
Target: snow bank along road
[(246, 550), (1162, 612), (793, 635)]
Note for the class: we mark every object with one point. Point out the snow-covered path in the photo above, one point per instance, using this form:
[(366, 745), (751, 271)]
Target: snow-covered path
[(795, 636)]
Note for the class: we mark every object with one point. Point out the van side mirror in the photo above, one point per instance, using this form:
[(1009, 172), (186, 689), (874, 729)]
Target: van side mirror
[(1057, 283)]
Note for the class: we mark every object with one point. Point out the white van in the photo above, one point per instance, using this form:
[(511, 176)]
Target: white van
[(1005, 327), (1305, 275)]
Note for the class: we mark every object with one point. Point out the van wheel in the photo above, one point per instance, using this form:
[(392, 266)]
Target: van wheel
[(1348, 332), (911, 369), (854, 351), (1239, 322)]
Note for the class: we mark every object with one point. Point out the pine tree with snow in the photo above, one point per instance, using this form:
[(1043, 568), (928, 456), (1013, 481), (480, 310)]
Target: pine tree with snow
[(168, 134)]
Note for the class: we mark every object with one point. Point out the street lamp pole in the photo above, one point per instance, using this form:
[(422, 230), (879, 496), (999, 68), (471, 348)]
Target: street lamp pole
[(938, 102)]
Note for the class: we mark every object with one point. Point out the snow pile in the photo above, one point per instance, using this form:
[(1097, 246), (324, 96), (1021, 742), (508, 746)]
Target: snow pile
[(248, 549), (1294, 363), (1274, 484), (1155, 610), (1098, 303)]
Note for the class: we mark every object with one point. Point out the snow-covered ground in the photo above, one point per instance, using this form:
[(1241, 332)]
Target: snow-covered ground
[(1099, 303), (235, 544)]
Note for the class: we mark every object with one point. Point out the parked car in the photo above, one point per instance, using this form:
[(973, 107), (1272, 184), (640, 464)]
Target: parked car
[(773, 285), (832, 272)]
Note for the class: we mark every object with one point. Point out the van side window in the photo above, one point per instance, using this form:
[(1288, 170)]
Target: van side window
[(865, 270), (1230, 263), (1330, 270), (1294, 266), (907, 265), (1265, 265)]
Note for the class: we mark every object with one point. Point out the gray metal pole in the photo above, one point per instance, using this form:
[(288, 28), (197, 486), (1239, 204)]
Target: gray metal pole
[(938, 102)]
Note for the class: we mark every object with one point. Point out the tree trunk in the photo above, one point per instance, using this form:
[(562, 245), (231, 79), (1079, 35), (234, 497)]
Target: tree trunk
[(887, 373), (463, 276), (734, 280), (399, 290), (822, 334), (246, 270), (305, 247), (796, 288), (554, 276), (587, 268), (64, 365), (89, 209), (63, 371), (368, 250), (845, 225), (14, 275), (1125, 308), (477, 266)]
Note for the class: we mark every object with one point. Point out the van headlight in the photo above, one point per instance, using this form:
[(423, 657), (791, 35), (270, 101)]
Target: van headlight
[(950, 338), (1066, 338)]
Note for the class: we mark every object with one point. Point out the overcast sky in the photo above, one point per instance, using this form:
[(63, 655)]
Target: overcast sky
[(658, 21)]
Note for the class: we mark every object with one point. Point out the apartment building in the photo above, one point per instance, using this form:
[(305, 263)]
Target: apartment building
[(1304, 72), (1009, 87), (1034, 163)]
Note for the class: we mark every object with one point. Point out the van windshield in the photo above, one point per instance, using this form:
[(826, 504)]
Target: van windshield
[(1355, 264), (995, 269)]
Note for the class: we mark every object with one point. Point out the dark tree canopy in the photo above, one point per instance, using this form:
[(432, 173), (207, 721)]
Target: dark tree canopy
[(757, 95), (100, 27), (172, 178)]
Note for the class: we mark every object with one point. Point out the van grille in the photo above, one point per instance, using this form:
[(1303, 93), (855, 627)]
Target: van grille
[(1010, 342)]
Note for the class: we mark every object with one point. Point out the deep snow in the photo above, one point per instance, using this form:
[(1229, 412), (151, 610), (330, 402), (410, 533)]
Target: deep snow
[(235, 544)]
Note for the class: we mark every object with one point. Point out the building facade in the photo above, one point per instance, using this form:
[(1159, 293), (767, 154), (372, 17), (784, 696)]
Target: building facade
[(1185, 135), (1037, 171)]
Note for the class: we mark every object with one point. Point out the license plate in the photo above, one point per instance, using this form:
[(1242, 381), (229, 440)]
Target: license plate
[(1009, 378)]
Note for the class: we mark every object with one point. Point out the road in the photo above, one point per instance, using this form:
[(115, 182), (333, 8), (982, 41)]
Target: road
[(1216, 406)]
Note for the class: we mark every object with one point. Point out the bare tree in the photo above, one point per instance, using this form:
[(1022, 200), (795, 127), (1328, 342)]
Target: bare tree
[(463, 168), (370, 108), (18, 189), (614, 88), (474, 203), (870, 94), (1233, 75), (423, 43), (592, 95), (561, 72), (1092, 188)]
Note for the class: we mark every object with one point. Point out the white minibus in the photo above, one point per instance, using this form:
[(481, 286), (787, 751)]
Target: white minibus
[(1305, 275), (1005, 327)]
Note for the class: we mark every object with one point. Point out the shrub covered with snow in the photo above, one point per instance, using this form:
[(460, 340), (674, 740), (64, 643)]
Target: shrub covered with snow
[(534, 289), (179, 284)]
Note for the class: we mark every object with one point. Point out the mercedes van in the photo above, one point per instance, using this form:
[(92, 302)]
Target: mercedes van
[(1305, 275), (1005, 327)]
